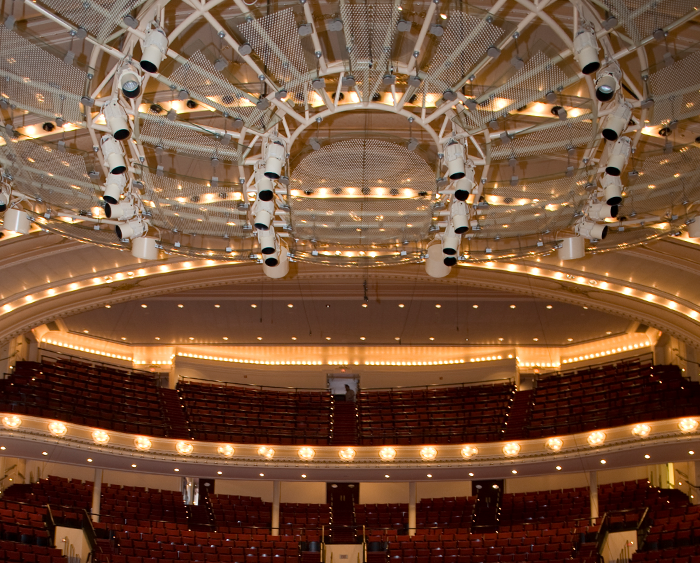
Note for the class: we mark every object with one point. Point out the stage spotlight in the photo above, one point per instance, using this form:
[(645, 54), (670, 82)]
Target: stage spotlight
[(459, 216), (613, 189), (586, 50), (116, 119), (616, 122), (114, 188), (113, 154), (607, 82), (619, 155), (465, 186), (268, 240), (435, 266), (130, 82), (591, 230), (264, 212), (454, 156), (120, 211), (265, 188), (155, 48), (282, 267), (5, 196), (274, 159), (450, 245), (600, 211), (132, 229)]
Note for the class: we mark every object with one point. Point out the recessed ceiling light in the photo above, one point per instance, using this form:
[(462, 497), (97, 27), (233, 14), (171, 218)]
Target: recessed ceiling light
[(262, 475), (225, 338), (328, 305), (430, 476), (3, 448), (89, 460), (585, 307), (514, 471), (535, 339), (253, 305), (144, 306), (217, 306), (133, 465), (608, 332), (549, 306), (500, 339), (294, 337), (432, 338), (259, 337), (691, 452), (558, 468), (108, 306), (176, 469), (569, 339), (86, 331), (646, 456), (123, 337), (386, 476), (328, 337), (157, 337), (362, 338), (401, 305), (364, 305), (438, 306), (180, 306), (475, 306), (397, 338), (44, 453), (303, 475), (471, 475), (443, 16), (191, 337), (290, 305), (603, 461), (512, 306), (219, 472)]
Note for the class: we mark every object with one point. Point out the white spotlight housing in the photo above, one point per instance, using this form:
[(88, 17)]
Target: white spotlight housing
[(113, 154), (607, 82), (263, 211), (120, 211), (600, 211), (612, 185), (590, 230), (434, 263), (130, 82), (16, 220), (616, 122), (275, 156), (268, 242), (145, 248), (116, 119), (465, 186), (265, 188), (694, 228), (132, 229), (572, 248), (450, 245), (454, 157), (586, 50), (459, 216), (5, 196), (114, 188), (282, 268), (155, 47), (619, 155)]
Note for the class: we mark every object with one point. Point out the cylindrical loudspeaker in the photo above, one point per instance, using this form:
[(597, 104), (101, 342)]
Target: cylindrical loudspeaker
[(144, 248), (694, 228), (572, 248), (282, 267), (16, 221), (434, 263)]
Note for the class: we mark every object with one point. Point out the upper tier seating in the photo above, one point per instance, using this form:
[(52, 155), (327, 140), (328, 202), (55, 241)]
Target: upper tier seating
[(234, 512), (55, 491), (569, 505), (261, 416), (608, 396), (475, 413), (83, 393), (138, 504)]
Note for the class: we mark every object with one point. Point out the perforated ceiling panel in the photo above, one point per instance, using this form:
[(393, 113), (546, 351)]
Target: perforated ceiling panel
[(464, 42), (190, 208), (552, 137), (199, 77), (539, 76), (99, 17), (178, 137), (675, 90), (369, 35), (353, 179), (641, 18), (275, 39), (37, 81)]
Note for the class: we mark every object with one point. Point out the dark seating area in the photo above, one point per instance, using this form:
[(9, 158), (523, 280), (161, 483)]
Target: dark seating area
[(55, 491), (138, 504), (476, 413), (558, 508), (90, 394), (232, 513), (273, 417), (610, 395)]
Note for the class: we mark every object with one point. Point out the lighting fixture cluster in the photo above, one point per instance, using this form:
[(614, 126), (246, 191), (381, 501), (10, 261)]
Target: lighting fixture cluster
[(87, 350), (607, 352)]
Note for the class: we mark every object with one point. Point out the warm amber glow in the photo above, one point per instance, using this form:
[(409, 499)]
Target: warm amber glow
[(12, 421), (267, 453), (184, 448), (57, 428), (554, 444), (688, 425), (348, 454), (469, 451), (511, 449), (387, 454), (428, 453), (226, 450), (142, 443), (641, 430), (596, 438), (306, 453), (100, 437)]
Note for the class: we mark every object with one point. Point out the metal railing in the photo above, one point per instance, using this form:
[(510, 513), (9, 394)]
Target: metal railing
[(218, 382)]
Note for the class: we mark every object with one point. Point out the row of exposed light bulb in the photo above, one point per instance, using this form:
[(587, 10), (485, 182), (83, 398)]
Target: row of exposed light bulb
[(607, 352), (387, 453), (88, 350)]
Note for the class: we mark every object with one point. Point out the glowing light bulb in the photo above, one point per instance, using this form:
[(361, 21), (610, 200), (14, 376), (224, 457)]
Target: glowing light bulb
[(469, 451), (306, 453), (511, 449), (266, 452), (387, 453), (688, 425), (428, 453), (184, 448), (641, 430), (12, 421), (100, 437), (226, 450), (142, 443), (596, 438), (348, 454), (57, 428), (554, 444)]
